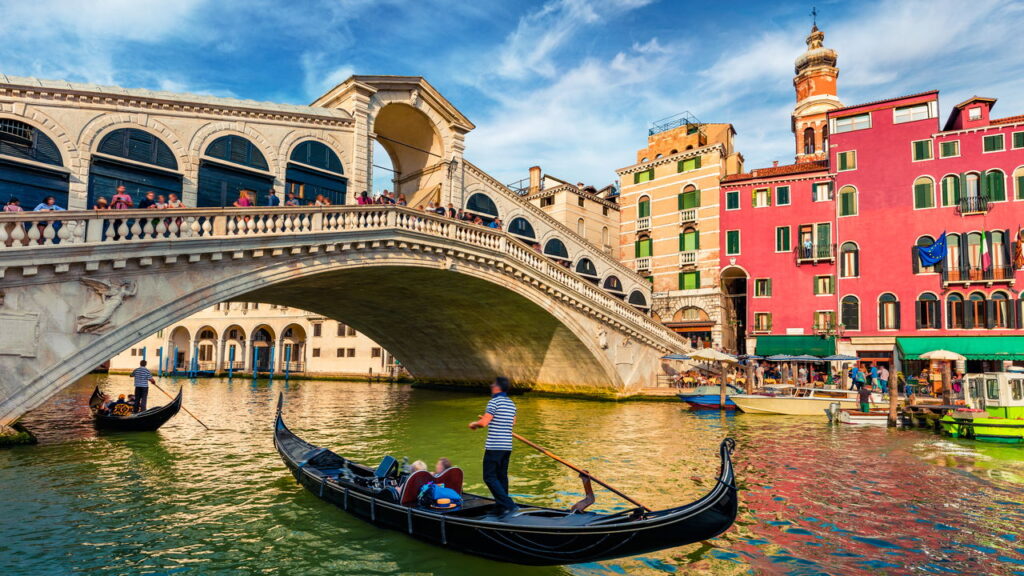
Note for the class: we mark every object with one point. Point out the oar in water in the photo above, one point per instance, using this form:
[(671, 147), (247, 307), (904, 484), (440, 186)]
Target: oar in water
[(183, 408), (582, 472)]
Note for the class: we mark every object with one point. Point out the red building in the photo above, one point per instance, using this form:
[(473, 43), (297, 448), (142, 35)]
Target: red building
[(839, 262)]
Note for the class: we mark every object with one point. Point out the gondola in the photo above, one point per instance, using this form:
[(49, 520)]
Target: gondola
[(146, 421), (532, 536)]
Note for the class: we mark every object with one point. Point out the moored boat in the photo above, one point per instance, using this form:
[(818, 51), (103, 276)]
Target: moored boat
[(145, 421), (533, 535), (837, 415), (803, 402), (709, 397), (994, 410)]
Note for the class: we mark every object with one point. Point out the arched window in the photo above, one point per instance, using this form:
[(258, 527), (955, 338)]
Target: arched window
[(522, 228), (314, 170), (972, 186), (482, 205), (924, 193), (922, 242), (1018, 183), (955, 311), (1000, 311), (239, 165), (690, 197), (689, 240), (974, 254), (850, 313), (847, 201), (849, 263), (150, 166), (604, 237), (613, 284), (1000, 252), (586, 268), (637, 299), (581, 227), (691, 314), (556, 249), (644, 246), (643, 207), (809, 140), (951, 190), (30, 183), (954, 270), (977, 311), (888, 312), (995, 186), (928, 312)]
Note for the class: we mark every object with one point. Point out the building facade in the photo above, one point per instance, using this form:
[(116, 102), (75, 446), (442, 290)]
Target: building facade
[(241, 336), (592, 213), (669, 211)]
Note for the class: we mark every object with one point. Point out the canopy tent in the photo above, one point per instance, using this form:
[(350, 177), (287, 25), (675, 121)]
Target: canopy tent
[(840, 358), (970, 347), (806, 358), (795, 345), (675, 357), (779, 358), (942, 355), (712, 355)]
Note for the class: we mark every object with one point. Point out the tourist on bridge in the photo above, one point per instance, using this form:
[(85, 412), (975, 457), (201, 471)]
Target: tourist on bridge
[(291, 200), (48, 203), (13, 205), (244, 201), (121, 200), (149, 201), (174, 202), (143, 378), (363, 198), (499, 419), (101, 204)]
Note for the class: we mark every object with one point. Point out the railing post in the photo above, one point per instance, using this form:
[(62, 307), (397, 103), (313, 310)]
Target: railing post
[(94, 230), (392, 218), (220, 225), (317, 223)]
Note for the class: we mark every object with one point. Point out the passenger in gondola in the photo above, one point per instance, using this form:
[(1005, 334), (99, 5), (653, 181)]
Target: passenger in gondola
[(417, 466), (443, 464), (121, 407)]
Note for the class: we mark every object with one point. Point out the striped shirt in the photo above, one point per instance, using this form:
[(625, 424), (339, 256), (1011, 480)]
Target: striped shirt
[(142, 376), (499, 432)]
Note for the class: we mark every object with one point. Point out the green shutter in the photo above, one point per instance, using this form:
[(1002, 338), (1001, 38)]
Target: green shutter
[(996, 186), (842, 160), (644, 209), (950, 197), (769, 282), (636, 249), (782, 195), (922, 196), (696, 198), (1018, 139), (680, 202), (681, 241), (847, 201), (697, 162), (1020, 185), (732, 242), (696, 240)]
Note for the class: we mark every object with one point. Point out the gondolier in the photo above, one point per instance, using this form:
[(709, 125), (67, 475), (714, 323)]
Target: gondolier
[(143, 378), (499, 419)]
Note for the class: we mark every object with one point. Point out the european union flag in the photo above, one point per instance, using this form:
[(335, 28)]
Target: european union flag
[(932, 255)]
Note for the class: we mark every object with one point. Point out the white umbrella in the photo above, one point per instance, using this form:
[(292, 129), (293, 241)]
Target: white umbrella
[(712, 355), (943, 355)]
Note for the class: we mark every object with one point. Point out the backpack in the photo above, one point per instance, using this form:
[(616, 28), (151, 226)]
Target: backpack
[(438, 497)]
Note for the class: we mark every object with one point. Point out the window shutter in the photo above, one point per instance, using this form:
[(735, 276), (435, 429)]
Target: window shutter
[(696, 239), (636, 247), (1011, 316), (965, 262), (696, 163), (983, 185), (990, 316), (915, 258), (968, 314), (1020, 312), (680, 200), (696, 275), (896, 311), (997, 187), (768, 196), (681, 241), (696, 198), (938, 314), (881, 315), (1020, 187), (856, 262), (944, 183), (769, 287), (918, 313), (753, 198)]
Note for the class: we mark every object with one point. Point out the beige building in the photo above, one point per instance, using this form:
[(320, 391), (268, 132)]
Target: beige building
[(669, 221), (238, 335)]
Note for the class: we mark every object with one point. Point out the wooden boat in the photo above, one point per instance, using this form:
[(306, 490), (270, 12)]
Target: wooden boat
[(532, 536), (994, 410), (146, 421), (703, 397), (836, 415), (803, 402)]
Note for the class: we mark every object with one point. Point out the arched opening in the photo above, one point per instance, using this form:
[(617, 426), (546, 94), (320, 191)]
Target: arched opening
[(922, 242), (927, 313), (555, 248), (849, 262), (262, 346), (694, 324), (809, 140), (232, 164), (955, 311), (293, 349), (1018, 183), (521, 228), (481, 205), (137, 160), (924, 193), (31, 167), (850, 313), (951, 190), (585, 267), (953, 263), (234, 348), (977, 311), (414, 147), (581, 227), (1000, 312), (888, 312), (847, 201), (1001, 268), (206, 349), (638, 300), (314, 170), (177, 353), (975, 242), (734, 294), (613, 286), (643, 207), (383, 179)]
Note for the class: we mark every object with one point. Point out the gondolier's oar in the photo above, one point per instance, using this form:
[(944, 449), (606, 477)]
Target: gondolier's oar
[(582, 472), (183, 408)]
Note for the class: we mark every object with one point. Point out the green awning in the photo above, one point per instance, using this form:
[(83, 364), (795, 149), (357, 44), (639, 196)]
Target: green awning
[(971, 347), (795, 345)]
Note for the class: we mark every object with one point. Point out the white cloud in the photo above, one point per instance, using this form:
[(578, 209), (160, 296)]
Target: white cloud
[(320, 75)]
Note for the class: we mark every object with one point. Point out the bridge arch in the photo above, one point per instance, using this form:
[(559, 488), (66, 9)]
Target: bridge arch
[(414, 142)]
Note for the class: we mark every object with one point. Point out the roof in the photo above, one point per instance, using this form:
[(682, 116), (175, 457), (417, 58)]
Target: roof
[(1008, 120), (416, 85), (972, 347), (795, 346), (775, 171), (975, 99), (184, 97), (875, 102)]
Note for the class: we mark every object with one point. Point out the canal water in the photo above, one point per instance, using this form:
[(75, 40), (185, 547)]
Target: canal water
[(815, 499)]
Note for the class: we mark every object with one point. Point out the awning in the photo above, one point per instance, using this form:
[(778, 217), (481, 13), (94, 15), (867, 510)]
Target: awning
[(972, 347), (795, 345)]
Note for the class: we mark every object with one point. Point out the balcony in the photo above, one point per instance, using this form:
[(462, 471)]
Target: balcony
[(969, 205), (688, 258), (643, 223), (687, 216), (815, 254), (643, 264), (978, 275)]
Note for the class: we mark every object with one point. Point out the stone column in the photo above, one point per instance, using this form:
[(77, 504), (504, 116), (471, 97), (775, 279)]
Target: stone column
[(219, 356)]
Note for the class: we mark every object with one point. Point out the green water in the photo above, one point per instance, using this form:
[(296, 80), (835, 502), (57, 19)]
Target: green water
[(814, 499)]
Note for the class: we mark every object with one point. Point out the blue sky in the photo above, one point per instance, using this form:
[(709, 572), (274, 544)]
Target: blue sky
[(571, 85)]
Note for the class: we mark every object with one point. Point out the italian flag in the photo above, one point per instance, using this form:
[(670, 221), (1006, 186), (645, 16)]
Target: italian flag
[(986, 256)]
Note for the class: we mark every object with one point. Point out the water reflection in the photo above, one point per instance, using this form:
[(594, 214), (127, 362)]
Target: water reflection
[(815, 499)]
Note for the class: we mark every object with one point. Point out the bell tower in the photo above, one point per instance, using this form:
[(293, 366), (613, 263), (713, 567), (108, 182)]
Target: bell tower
[(815, 84)]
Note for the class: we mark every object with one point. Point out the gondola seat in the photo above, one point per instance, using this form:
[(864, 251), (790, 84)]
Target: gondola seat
[(451, 478), (413, 484)]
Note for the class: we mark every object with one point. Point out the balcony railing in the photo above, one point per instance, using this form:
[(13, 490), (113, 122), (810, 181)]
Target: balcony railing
[(815, 253), (688, 258), (643, 264), (975, 274), (293, 366), (643, 223), (973, 205), (687, 216)]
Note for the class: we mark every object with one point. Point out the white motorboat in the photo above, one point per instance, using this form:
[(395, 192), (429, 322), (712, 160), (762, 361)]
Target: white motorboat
[(803, 401)]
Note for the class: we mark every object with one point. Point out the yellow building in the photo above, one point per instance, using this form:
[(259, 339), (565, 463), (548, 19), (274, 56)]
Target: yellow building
[(593, 214), (669, 209)]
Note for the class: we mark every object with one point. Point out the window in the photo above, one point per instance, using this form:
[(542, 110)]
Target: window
[(955, 311), (604, 210), (732, 200), (971, 186), (689, 280), (375, 352), (951, 190), (643, 208), (851, 123), (688, 164), (994, 186), (762, 198), (809, 140), (689, 198), (851, 313), (927, 315), (910, 113), (1001, 313), (922, 242), (997, 240), (1017, 388), (825, 284), (782, 196), (849, 263), (316, 352), (134, 352), (547, 201), (824, 319), (522, 228), (847, 201), (604, 236), (1018, 179), (643, 247), (993, 143), (762, 322), (581, 227), (316, 330), (581, 201), (585, 267), (645, 176), (762, 287), (992, 388), (732, 242), (782, 239), (922, 150), (977, 311), (815, 241), (1018, 139), (555, 248), (949, 149), (924, 193), (689, 240), (974, 113), (345, 330), (847, 160), (821, 192), (888, 312)]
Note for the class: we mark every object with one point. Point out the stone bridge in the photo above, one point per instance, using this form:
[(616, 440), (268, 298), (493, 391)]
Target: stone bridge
[(455, 302)]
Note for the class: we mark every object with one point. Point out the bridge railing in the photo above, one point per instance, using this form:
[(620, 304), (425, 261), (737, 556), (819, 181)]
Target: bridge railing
[(31, 231)]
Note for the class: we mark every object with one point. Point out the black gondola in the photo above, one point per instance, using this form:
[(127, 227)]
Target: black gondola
[(146, 421), (533, 535)]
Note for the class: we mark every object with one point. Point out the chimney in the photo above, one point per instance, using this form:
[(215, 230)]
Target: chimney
[(775, 163), (534, 179)]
